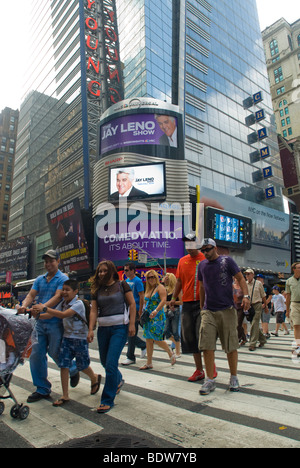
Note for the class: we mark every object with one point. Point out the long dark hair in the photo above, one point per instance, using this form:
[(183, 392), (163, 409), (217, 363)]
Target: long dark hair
[(112, 273)]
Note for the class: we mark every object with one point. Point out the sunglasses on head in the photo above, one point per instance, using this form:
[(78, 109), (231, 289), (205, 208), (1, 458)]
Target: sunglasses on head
[(208, 249)]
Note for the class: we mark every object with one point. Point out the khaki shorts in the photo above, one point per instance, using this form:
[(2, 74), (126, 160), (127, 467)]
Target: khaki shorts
[(222, 324), (295, 313)]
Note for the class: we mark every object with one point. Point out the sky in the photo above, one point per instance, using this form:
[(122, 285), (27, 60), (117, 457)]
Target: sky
[(14, 33)]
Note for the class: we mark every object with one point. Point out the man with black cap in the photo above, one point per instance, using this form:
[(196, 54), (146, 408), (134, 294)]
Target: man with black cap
[(48, 288), (218, 315)]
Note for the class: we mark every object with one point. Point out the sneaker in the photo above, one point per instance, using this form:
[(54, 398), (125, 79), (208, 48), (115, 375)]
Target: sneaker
[(234, 385), (127, 362), (274, 334), (197, 375), (208, 387), (35, 396), (74, 380), (143, 353)]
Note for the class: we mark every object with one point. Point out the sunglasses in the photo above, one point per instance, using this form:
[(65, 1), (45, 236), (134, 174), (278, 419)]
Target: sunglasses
[(207, 250), (150, 277)]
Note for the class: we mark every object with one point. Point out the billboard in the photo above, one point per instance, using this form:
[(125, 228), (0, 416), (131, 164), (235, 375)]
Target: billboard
[(68, 238), (271, 249), (14, 257), (139, 182), (139, 129), (143, 126), (153, 237)]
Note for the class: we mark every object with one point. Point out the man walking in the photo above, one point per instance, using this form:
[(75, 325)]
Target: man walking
[(258, 298), (218, 315), (137, 287), (48, 288), (292, 289), (187, 281)]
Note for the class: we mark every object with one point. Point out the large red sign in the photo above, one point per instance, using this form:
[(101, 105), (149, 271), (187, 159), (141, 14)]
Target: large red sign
[(102, 47)]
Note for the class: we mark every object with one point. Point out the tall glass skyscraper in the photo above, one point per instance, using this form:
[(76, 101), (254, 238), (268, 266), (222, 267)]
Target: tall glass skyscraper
[(57, 136), (207, 57)]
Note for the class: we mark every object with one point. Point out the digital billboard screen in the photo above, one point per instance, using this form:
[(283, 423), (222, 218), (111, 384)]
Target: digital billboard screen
[(139, 182), (138, 130)]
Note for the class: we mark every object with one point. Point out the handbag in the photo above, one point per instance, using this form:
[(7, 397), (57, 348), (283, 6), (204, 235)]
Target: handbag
[(251, 312), (144, 318)]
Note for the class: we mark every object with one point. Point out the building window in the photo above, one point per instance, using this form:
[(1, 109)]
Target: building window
[(274, 48), (283, 123), (286, 111), (288, 120), (280, 90), (299, 40), (284, 133), (281, 113), (278, 75), (290, 131)]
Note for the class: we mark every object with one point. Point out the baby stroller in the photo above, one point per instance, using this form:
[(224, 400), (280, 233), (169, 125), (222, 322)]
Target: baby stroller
[(16, 340)]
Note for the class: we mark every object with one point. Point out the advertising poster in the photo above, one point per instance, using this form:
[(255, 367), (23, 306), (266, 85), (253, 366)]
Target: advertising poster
[(270, 233), (68, 238), (137, 182), (139, 129), (14, 257), (155, 239)]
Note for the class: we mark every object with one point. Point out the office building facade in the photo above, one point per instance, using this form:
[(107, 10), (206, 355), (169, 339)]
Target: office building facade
[(8, 136), (66, 89), (206, 57)]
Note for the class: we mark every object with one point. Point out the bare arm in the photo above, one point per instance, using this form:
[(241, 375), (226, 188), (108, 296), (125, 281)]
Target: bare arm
[(243, 285)]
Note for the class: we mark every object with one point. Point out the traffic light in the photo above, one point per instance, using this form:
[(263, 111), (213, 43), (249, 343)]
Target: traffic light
[(135, 255)]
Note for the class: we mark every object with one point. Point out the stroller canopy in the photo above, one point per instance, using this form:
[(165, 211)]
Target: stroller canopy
[(16, 330)]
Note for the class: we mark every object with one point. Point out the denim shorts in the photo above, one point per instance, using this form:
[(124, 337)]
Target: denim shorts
[(73, 348)]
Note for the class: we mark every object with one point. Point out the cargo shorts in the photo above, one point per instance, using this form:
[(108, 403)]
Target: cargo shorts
[(220, 324)]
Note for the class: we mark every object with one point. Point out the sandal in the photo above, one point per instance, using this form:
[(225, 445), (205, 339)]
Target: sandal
[(95, 387), (60, 402), (103, 409), (120, 386), (146, 367), (173, 359)]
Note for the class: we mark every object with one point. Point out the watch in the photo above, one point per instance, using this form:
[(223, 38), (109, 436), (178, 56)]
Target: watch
[(45, 309), (247, 297)]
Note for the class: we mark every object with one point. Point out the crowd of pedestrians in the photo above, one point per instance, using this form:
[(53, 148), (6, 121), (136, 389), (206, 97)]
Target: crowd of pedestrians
[(208, 299)]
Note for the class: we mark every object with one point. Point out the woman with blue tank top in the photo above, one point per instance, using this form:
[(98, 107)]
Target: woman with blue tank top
[(155, 300)]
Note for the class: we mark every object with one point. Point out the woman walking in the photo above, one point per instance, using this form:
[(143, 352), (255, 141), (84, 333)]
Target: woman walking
[(113, 305), (172, 312), (155, 299)]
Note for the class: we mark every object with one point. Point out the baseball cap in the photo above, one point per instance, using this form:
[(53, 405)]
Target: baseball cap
[(249, 270), (208, 241), (191, 241), (51, 254), (277, 288), (259, 276)]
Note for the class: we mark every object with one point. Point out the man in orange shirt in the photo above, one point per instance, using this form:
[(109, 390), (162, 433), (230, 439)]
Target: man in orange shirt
[(187, 281)]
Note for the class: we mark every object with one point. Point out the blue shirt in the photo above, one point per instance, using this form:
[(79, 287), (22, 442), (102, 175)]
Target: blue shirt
[(137, 286), (46, 290)]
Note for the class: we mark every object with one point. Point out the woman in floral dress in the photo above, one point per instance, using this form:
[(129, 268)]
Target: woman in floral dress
[(155, 299)]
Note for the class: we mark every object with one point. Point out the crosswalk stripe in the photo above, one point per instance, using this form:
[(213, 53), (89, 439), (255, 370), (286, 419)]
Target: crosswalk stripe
[(162, 403)]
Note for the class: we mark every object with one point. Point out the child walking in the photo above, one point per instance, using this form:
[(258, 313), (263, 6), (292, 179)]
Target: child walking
[(74, 343), (278, 303)]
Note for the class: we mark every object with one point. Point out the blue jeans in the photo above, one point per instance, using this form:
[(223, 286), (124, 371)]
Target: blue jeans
[(49, 336), (111, 341)]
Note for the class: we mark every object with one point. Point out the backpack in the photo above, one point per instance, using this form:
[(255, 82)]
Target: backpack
[(87, 312)]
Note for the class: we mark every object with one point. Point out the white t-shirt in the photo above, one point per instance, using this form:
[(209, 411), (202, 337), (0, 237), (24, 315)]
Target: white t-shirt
[(279, 303)]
